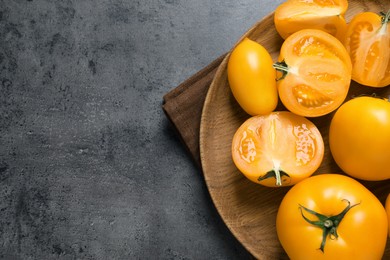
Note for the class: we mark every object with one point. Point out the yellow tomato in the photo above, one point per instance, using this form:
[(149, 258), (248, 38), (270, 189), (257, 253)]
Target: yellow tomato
[(294, 15), (331, 216), (252, 78), (278, 149), (387, 207), (359, 138), (368, 43), (316, 73)]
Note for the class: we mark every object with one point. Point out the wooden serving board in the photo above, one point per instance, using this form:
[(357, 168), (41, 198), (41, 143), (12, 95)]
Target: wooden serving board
[(248, 209)]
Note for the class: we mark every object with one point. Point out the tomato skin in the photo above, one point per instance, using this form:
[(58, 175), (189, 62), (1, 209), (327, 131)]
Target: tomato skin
[(316, 73), (387, 207), (328, 16), (362, 232), (367, 41), (359, 138), (277, 143), (252, 78)]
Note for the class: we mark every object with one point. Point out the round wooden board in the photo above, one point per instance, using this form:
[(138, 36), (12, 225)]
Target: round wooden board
[(248, 209)]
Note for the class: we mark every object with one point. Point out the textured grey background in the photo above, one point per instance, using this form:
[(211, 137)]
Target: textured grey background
[(90, 168)]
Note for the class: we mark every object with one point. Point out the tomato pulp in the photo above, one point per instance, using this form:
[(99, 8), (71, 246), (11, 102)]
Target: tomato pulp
[(278, 149)]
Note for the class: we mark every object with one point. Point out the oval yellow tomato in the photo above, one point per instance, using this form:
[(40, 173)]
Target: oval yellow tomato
[(316, 73), (278, 149), (252, 78), (294, 15), (331, 216), (359, 138), (368, 43)]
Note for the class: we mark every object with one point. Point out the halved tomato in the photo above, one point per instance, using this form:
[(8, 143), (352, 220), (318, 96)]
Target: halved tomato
[(368, 43), (278, 149), (316, 73), (326, 15)]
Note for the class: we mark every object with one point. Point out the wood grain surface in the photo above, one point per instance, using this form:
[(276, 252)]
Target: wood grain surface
[(248, 209)]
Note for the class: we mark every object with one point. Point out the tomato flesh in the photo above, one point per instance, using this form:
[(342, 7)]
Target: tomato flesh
[(316, 73), (368, 43), (278, 143), (326, 15)]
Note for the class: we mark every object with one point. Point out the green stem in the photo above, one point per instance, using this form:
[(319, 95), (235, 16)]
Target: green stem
[(274, 173), (278, 178), (328, 224), (385, 17), (385, 21), (282, 67)]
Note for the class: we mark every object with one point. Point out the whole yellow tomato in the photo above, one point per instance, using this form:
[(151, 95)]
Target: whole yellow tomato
[(294, 15), (331, 216), (252, 78), (278, 149), (359, 138), (316, 72), (368, 43)]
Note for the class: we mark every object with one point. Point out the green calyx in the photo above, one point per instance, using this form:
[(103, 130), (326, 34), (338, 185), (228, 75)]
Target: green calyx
[(282, 67), (275, 173), (327, 224), (385, 17), (385, 20)]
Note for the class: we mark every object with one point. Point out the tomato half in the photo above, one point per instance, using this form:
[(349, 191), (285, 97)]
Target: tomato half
[(368, 43), (278, 149), (316, 73), (359, 138), (331, 216), (252, 78), (326, 15)]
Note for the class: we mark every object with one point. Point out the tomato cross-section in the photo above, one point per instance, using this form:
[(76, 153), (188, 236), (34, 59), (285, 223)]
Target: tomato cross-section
[(326, 15), (315, 73), (368, 42), (278, 149)]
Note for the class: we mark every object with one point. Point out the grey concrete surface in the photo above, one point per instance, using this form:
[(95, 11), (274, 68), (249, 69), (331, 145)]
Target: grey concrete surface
[(90, 168)]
